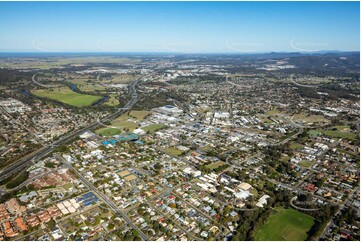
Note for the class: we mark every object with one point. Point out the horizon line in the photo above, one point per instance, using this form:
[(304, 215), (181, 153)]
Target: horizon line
[(174, 52)]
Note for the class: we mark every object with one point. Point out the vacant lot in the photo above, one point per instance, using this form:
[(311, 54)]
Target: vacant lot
[(215, 165), (153, 127), (130, 177), (122, 79), (112, 101), (124, 173), (333, 134), (139, 115), (127, 126), (65, 95), (285, 224), (310, 118), (273, 112), (173, 151), (306, 163), (296, 146)]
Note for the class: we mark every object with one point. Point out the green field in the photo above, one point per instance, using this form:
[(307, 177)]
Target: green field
[(296, 146), (215, 165), (153, 127), (310, 118), (344, 128), (337, 134), (65, 95), (91, 87), (273, 112), (122, 79), (333, 134), (285, 224), (314, 133), (173, 151), (108, 131), (139, 115), (121, 124), (306, 164), (87, 84), (112, 101)]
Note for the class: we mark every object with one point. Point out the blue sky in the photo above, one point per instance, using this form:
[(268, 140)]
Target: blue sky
[(179, 26)]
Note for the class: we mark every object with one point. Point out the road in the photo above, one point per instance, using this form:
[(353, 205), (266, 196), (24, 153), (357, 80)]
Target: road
[(42, 152), (20, 123), (301, 85), (105, 199), (42, 85), (299, 208), (338, 212)]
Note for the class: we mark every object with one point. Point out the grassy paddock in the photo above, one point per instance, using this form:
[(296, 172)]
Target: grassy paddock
[(65, 95), (285, 224)]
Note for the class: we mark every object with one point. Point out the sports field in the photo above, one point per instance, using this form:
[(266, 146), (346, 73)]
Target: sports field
[(314, 133), (65, 95), (108, 131), (119, 125), (285, 224)]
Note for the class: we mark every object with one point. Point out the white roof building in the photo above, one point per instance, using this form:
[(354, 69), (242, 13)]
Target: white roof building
[(262, 201)]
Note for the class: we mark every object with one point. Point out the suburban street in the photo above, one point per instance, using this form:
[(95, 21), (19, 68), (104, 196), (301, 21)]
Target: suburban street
[(42, 152), (105, 199)]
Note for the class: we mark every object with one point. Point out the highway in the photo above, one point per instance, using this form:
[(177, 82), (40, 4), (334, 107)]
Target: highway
[(42, 152)]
